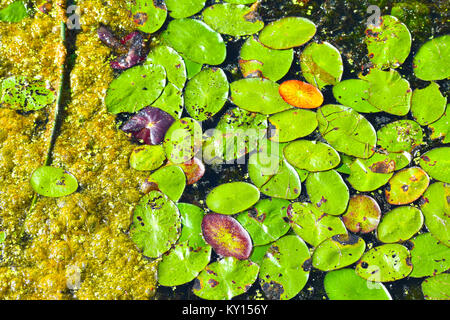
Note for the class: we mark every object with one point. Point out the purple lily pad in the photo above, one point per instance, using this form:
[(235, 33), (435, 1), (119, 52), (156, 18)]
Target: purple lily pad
[(149, 125), (226, 236)]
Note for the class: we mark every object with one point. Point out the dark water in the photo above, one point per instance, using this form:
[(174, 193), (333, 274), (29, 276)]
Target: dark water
[(341, 23)]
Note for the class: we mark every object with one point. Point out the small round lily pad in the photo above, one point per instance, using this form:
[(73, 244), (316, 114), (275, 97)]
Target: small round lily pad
[(436, 163), (225, 279), (284, 184), (337, 252), (363, 214), (400, 135), (328, 191), (312, 225), (385, 263), (428, 104), (345, 284), (389, 43), (346, 130), (285, 268), (266, 220), (301, 94), (431, 61), (311, 155), (183, 140), (293, 124), (148, 15), (287, 33), (194, 170), (437, 287), (428, 256), (170, 180), (272, 64), (258, 95), (156, 224), (435, 207), (206, 93), (135, 88), (195, 40), (231, 198), (147, 158), (233, 19), (227, 236), (399, 224), (53, 182), (321, 64), (406, 186)]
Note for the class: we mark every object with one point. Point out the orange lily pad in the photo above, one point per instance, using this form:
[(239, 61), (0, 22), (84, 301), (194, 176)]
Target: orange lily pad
[(301, 94)]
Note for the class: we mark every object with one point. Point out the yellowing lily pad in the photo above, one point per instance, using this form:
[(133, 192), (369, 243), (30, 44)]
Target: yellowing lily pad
[(363, 214), (400, 135), (53, 182), (287, 33), (231, 198), (321, 64), (399, 224), (406, 186), (385, 263)]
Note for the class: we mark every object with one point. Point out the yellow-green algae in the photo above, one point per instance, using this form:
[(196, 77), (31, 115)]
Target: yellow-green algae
[(88, 230)]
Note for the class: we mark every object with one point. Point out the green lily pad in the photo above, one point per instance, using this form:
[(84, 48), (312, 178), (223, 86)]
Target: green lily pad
[(182, 264), (259, 253), (436, 163), (363, 179), (328, 191), (196, 41), (147, 158), (170, 101), (183, 140), (389, 92), (238, 132), (231, 198), (184, 8), (170, 180), (385, 263), (321, 64), (233, 19), (399, 136), (399, 224), (225, 279), (2, 236), (338, 251), (354, 93), (135, 88), (436, 210), (311, 155), (192, 68), (285, 268), (345, 284), (407, 186), (428, 256), (344, 165), (156, 224), (441, 128), (293, 124), (266, 220), (227, 236), (258, 95), (346, 130), (312, 225), (191, 218), (19, 93), (240, 1), (15, 12), (389, 43), (273, 64), (437, 287), (431, 61), (363, 214), (265, 163), (206, 93), (284, 184), (428, 104), (148, 15), (287, 33), (53, 182), (172, 62)]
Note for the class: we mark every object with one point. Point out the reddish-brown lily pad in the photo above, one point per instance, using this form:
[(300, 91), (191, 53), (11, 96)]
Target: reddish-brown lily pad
[(226, 235), (363, 214), (301, 94), (194, 170), (407, 186)]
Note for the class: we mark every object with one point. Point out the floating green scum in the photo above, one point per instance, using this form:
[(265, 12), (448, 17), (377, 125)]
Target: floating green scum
[(183, 144)]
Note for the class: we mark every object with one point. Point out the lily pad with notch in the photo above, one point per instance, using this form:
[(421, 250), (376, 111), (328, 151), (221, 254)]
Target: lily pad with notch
[(428, 256), (148, 15), (170, 180), (53, 182), (293, 124)]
